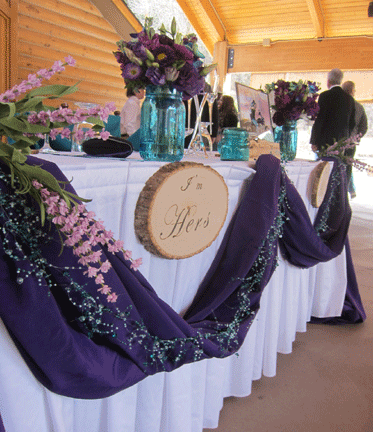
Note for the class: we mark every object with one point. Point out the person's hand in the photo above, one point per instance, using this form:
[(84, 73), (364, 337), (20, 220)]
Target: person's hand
[(314, 148)]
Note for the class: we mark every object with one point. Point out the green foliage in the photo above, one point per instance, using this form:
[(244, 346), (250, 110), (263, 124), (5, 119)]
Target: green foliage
[(25, 174)]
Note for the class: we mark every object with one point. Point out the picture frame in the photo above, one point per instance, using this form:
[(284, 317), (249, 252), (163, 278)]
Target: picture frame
[(254, 110)]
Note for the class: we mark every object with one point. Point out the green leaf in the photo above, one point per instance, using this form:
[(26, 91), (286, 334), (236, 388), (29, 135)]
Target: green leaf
[(24, 144), (120, 44), (129, 53), (178, 64), (137, 61), (149, 55), (7, 109), (197, 52), (95, 121), (207, 69), (178, 38), (14, 123), (18, 157), (54, 90), (163, 29), (37, 128), (148, 22), (34, 104), (173, 26)]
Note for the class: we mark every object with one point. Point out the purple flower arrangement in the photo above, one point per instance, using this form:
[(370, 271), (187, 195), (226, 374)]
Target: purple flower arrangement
[(292, 99), (164, 58), (82, 232), (338, 150), (25, 119)]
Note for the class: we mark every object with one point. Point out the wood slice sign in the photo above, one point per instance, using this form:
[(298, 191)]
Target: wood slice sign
[(318, 183), (181, 210)]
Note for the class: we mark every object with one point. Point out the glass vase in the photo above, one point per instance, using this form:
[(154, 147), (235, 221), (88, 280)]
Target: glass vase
[(287, 137), (162, 127)]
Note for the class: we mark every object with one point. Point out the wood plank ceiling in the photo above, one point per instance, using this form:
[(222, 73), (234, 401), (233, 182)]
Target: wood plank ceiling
[(261, 23), (250, 21)]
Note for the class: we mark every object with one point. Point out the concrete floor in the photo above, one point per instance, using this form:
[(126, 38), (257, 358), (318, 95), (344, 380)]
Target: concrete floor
[(326, 383)]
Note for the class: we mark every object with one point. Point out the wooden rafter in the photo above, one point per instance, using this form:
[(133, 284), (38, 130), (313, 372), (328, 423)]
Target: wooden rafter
[(317, 17), (308, 55), (204, 19), (128, 14)]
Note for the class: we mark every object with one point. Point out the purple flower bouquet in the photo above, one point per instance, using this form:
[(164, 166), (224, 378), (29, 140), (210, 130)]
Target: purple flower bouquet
[(292, 99), (162, 58)]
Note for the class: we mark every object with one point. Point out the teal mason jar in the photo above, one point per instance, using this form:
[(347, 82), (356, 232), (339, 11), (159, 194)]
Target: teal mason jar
[(162, 128), (234, 144), (287, 137)]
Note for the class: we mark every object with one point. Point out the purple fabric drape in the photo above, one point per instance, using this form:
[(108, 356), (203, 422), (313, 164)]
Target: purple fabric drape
[(55, 338), (2, 429), (303, 247)]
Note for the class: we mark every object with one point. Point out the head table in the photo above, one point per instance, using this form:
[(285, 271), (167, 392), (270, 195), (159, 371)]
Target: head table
[(189, 398)]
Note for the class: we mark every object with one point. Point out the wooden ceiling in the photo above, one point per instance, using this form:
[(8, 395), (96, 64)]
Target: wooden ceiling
[(269, 37), (241, 22), (261, 32)]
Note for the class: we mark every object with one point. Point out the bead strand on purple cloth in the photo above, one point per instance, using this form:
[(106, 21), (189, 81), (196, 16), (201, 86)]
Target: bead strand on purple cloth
[(58, 315)]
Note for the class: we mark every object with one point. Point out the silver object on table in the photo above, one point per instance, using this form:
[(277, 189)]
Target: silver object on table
[(196, 142)]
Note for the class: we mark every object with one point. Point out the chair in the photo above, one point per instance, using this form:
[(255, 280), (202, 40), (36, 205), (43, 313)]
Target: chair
[(113, 125)]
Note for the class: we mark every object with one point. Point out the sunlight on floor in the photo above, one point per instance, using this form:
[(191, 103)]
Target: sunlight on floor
[(364, 187)]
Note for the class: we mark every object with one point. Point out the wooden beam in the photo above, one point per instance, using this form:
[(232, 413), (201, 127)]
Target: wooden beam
[(317, 17), (205, 21), (353, 53), (8, 44), (210, 11), (119, 16), (221, 58)]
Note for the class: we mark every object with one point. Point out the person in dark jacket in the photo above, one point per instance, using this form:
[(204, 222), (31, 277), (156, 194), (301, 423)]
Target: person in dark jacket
[(336, 118), (361, 128)]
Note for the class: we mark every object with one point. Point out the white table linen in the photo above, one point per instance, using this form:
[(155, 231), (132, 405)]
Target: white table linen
[(189, 398)]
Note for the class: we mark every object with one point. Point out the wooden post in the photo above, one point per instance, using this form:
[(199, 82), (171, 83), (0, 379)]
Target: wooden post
[(8, 45), (221, 58)]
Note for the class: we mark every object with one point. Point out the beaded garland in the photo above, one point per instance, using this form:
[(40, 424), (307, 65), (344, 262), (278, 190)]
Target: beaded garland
[(331, 200), (22, 235)]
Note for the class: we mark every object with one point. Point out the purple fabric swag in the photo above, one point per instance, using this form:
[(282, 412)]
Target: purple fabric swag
[(69, 359)]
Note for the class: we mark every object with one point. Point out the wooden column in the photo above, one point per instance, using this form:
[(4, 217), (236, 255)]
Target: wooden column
[(221, 58), (8, 43)]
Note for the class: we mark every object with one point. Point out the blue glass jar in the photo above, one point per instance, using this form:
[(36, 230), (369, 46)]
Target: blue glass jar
[(234, 144), (162, 128), (287, 137)]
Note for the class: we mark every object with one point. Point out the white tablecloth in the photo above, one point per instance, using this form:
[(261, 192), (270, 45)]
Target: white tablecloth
[(189, 398)]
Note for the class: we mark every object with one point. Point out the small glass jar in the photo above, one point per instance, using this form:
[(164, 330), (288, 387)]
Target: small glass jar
[(234, 144)]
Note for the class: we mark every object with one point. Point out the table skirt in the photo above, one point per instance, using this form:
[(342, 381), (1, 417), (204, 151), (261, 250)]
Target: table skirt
[(189, 398)]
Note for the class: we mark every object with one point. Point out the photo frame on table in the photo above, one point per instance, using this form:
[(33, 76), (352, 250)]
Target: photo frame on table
[(254, 110)]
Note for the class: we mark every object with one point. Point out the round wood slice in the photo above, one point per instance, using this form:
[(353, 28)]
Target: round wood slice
[(319, 179), (181, 210)]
